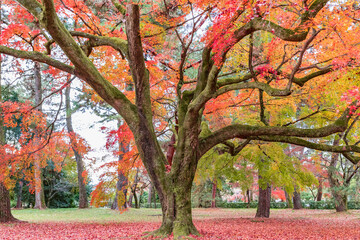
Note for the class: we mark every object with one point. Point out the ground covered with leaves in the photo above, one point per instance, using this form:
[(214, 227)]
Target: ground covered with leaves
[(212, 224)]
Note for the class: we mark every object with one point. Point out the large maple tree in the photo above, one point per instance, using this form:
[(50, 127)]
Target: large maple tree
[(160, 51)]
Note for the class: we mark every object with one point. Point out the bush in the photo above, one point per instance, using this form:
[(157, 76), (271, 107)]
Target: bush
[(353, 205), (147, 205), (252, 205), (320, 204)]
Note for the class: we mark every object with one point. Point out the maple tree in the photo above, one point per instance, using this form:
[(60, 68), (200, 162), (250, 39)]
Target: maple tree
[(160, 53)]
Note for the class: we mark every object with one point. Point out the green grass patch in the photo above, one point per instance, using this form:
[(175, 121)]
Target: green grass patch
[(99, 215)]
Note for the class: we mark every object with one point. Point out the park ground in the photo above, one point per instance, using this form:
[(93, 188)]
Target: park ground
[(212, 224)]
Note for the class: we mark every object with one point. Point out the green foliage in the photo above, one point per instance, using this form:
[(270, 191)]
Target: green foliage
[(278, 168)]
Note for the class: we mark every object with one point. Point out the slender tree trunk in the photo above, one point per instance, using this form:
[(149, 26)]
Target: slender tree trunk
[(214, 187), (150, 195), (83, 201), (154, 197), (263, 208), (297, 199), (319, 192), (248, 198), (39, 194), (289, 202), (337, 189), (19, 195), (121, 192), (136, 199), (133, 189), (122, 182)]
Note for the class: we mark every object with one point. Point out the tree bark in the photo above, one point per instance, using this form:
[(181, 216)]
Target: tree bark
[(5, 210), (39, 194), (136, 199), (263, 208), (337, 189), (150, 195), (121, 192), (83, 201), (19, 195), (133, 189), (319, 192), (213, 200), (289, 202), (122, 182), (249, 197), (297, 199)]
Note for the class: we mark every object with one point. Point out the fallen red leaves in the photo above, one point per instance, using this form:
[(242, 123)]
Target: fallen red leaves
[(332, 227)]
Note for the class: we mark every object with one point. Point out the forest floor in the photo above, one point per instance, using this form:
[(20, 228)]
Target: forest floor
[(212, 224)]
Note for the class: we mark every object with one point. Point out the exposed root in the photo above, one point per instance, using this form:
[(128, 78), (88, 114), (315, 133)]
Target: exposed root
[(160, 233), (183, 231)]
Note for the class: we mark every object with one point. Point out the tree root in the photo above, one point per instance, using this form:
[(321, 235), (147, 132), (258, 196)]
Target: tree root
[(160, 233), (180, 232)]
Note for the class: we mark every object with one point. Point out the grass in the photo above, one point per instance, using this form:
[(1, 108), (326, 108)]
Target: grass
[(102, 215), (98, 215)]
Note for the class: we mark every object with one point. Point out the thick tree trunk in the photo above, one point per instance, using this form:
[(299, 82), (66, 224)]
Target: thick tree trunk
[(297, 199), (19, 195), (177, 217), (213, 200), (5, 210), (263, 208), (340, 202), (83, 201)]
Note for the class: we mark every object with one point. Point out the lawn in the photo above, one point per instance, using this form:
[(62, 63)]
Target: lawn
[(212, 224)]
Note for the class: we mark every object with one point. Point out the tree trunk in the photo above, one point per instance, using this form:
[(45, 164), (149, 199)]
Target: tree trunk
[(297, 199), (337, 189), (176, 208), (289, 202), (83, 201), (133, 189), (150, 195), (213, 200), (5, 210), (19, 195), (39, 194), (319, 192), (136, 199), (121, 192), (248, 198), (154, 197), (263, 208)]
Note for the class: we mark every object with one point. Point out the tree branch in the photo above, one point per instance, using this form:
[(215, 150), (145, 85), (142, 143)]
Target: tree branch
[(38, 57), (249, 132)]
